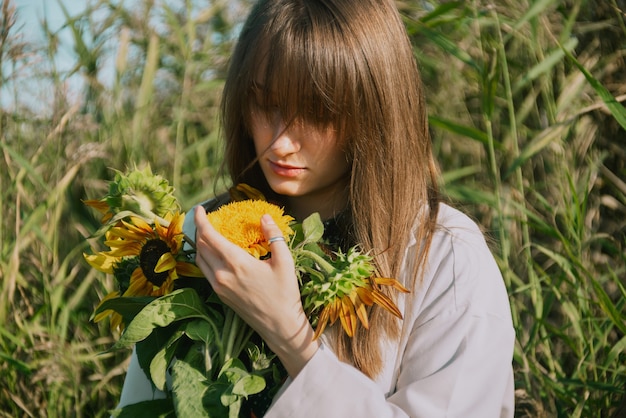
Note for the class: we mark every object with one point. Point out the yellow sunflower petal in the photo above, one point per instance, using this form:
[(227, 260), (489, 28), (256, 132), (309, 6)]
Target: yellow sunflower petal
[(335, 309), (166, 287), (243, 191), (171, 232), (391, 282), (258, 250), (102, 261), (176, 223), (116, 321), (188, 270), (140, 224), (166, 262), (120, 249), (240, 223), (139, 285), (100, 205), (321, 322), (365, 295), (359, 307), (348, 316), (385, 302), (99, 317), (128, 232)]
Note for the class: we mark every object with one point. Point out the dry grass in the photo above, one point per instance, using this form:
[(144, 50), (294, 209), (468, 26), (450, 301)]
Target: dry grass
[(529, 144)]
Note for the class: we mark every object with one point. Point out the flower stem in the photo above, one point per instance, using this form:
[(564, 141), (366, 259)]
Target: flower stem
[(319, 260)]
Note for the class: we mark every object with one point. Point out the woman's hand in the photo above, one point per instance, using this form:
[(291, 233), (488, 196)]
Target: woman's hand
[(264, 293)]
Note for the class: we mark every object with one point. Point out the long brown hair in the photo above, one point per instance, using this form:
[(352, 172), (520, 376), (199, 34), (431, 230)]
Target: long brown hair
[(347, 64)]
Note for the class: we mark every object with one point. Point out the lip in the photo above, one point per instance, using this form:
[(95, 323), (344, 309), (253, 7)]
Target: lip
[(285, 170)]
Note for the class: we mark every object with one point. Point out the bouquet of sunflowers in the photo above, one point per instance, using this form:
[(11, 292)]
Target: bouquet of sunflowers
[(192, 346)]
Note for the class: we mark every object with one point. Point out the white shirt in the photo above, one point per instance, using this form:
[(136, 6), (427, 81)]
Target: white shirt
[(453, 359)]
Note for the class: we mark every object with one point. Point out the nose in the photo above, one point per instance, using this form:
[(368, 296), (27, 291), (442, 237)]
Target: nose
[(285, 140)]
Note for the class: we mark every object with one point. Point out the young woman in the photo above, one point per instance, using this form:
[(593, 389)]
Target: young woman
[(323, 111)]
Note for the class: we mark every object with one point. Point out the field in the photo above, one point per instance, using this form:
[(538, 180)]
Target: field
[(526, 103)]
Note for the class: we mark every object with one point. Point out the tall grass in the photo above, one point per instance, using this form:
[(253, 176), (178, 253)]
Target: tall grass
[(528, 123)]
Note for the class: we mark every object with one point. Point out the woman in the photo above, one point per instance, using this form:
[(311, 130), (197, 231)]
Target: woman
[(323, 111)]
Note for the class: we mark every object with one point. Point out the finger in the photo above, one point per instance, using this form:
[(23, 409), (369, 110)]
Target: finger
[(209, 235), (212, 247), (271, 231)]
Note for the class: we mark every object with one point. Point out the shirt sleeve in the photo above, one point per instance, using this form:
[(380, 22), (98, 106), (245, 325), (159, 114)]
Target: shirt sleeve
[(455, 357), (137, 387)]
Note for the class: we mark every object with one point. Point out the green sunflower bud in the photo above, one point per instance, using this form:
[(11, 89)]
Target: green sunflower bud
[(142, 192), (350, 270)]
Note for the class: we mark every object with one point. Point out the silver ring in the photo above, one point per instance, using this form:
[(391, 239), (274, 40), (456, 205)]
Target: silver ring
[(274, 239)]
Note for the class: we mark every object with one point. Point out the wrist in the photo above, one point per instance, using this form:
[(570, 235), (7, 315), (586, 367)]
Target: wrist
[(296, 352)]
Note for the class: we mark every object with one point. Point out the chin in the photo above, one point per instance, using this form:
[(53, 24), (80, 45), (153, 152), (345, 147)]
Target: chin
[(285, 189)]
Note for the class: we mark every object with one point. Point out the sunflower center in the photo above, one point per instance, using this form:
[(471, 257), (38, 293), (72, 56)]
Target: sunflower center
[(151, 252)]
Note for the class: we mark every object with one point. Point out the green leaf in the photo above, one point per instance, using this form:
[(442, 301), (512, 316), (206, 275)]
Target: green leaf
[(441, 10), (536, 145), (178, 305), (25, 165), (201, 330), (463, 130), (617, 109), (148, 348), (446, 44), (616, 351), (242, 383), (207, 344), (188, 387), (15, 363), (212, 399), (533, 11), (157, 408), (313, 228), (547, 64), (162, 359), (125, 306), (249, 385), (231, 369), (609, 308)]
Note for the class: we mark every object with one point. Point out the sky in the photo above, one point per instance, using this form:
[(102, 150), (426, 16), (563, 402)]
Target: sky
[(30, 13), (29, 17), (35, 92)]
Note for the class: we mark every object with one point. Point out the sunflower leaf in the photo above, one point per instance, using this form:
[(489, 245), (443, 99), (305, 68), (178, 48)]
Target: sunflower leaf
[(128, 307), (188, 388), (241, 383), (313, 228), (150, 347), (178, 305), (156, 408), (161, 360)]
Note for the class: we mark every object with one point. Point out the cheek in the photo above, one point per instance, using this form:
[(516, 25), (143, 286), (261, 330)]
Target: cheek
[(333, 158), (261, 133), (333, 150)]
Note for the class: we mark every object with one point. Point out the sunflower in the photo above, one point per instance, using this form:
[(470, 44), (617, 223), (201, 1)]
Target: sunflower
[(240, 223), (116, 320), (242, 191), (344, 293), (145, 259), (139, 191)]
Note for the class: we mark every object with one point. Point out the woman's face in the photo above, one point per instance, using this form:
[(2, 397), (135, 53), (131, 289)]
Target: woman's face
[(302, 162)]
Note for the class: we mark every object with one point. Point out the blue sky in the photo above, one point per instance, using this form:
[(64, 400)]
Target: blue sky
[(30, 15), (35, 92)]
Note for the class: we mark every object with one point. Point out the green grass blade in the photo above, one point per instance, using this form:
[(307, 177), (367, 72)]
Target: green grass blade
[(617, 109)]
